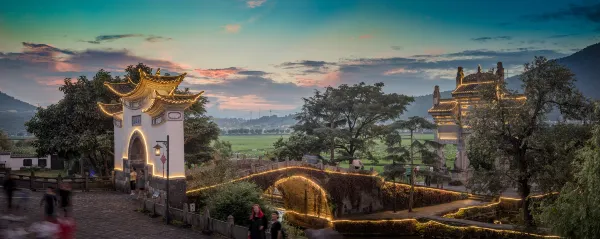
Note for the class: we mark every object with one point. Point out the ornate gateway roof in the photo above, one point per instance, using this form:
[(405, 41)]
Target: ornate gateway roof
[(159, 89)]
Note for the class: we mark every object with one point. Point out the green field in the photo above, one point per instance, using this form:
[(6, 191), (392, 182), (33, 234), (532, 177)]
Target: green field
[(259, 145)]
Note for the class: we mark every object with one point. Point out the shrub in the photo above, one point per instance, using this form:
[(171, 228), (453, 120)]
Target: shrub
[(235, 199)]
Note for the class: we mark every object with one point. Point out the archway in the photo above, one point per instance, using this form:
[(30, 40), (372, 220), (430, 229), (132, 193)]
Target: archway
[(305, 202), (137, 152)]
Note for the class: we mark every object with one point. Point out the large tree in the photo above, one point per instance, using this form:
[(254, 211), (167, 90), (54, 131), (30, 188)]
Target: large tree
[(360, 107), (298, 145), (74, 128), (575, 213), (502, 147)]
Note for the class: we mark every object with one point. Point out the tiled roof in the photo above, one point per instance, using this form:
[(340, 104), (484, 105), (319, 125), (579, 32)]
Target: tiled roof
[(479, 77), (120, 88), (469, 87), (443, 106), (4, 153), (23, 156), (110, 109)]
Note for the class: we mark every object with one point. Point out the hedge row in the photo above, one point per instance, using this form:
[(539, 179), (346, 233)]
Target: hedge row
[(430, 229), (503, 206), (423, 196)]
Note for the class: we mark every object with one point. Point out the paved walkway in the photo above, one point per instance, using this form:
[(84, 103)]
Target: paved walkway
[(418, 212), (106, 215)]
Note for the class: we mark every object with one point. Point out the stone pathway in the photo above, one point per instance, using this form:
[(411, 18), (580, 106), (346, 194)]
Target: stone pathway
[(418, 212), (106, 215)]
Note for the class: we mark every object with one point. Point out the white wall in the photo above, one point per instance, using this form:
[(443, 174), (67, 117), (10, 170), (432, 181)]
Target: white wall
[(150, 134), (17, 163)]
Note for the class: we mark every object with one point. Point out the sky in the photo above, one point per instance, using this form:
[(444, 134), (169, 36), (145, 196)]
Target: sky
[(265, 55)]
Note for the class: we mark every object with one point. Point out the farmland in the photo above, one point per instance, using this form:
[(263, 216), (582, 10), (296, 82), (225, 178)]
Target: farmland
[(259, 145)]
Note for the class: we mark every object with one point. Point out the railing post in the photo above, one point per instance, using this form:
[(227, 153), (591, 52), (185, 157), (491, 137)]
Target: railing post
[(230, 223), (31, 180), (85, 183)]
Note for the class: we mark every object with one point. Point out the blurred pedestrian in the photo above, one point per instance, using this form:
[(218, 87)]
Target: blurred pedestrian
[(258, 223), (141, 183), (132, 180), (64, 194), (49, 201), (9, 188), (66, 228), (276, 228)]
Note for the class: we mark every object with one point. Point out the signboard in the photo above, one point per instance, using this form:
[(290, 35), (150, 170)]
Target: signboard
[(163, 159), (192, 207)]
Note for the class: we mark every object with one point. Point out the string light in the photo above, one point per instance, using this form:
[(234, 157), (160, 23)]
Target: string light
[(462, 211), (277, 170), (107, 112)]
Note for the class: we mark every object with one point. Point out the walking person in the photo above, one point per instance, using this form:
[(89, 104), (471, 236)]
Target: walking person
[(64, 194), (9, 188), (276, 229), (132, 180), (49, 201), (258, 224)]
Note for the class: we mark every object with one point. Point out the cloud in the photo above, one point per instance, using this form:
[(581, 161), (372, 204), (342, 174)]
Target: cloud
[(485, 39), (157, 39), (253, 73), (218, 73), (398, 71), (233, 28), (308, 67), (109, 38), (397, 48), (583, 12), (366, 36), (329, 79), (255, 3), (33, 74)]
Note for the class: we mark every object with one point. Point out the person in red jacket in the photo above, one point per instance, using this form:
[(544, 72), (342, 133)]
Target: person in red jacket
[(67, 228)]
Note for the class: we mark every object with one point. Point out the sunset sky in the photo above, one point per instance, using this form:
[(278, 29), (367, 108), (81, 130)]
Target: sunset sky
[(251, 55)]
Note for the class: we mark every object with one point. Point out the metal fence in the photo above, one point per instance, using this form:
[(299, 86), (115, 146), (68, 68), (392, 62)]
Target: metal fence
[(83, 184)]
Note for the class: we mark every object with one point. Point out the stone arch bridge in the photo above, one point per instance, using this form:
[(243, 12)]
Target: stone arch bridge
[(317, 194)]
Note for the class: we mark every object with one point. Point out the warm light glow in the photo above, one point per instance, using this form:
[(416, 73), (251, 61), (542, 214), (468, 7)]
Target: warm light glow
[(463, 209), (276, 170), (154, 173), (101, 106), (305, 214)]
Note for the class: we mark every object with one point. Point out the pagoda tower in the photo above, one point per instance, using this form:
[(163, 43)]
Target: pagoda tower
[(148, 111)]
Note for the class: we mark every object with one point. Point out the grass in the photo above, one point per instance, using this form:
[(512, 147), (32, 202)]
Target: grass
[(259, 145)]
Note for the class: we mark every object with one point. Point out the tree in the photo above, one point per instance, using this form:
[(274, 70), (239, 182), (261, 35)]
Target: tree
[(236, 199), (72, 127), (223, 148), (320, 116), (412, 124), (502, 146), (297, 145), (5, 144), (577, 203), (361, 107)]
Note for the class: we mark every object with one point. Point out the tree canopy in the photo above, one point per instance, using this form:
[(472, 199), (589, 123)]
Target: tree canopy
[(577, 203), (502, 146), (350, 116), (5, 144)]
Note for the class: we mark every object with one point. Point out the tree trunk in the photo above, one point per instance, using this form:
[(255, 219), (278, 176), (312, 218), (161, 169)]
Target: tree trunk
[(332, 143), (412, 175), (524, 191)]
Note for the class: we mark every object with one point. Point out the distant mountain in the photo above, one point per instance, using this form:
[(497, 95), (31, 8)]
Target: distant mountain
[(14, 113), (585, 64)]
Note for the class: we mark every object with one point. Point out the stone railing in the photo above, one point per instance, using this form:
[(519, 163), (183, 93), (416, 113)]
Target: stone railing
[(202, 222), (39, 183)]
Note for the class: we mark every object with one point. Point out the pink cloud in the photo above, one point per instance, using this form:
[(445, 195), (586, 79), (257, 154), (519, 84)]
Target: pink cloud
[(233, 28), (50, 81), (65, 66), (218, 73), (398, 71), (329, 79), (255, 3), (366, 36)]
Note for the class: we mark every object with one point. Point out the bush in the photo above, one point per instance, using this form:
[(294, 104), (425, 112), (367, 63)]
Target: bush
[(235, 199)]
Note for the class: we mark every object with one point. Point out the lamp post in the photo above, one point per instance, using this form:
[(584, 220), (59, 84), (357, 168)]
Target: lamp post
[(157, 153)]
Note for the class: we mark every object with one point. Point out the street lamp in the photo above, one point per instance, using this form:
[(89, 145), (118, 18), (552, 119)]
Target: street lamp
[(157, 153)]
